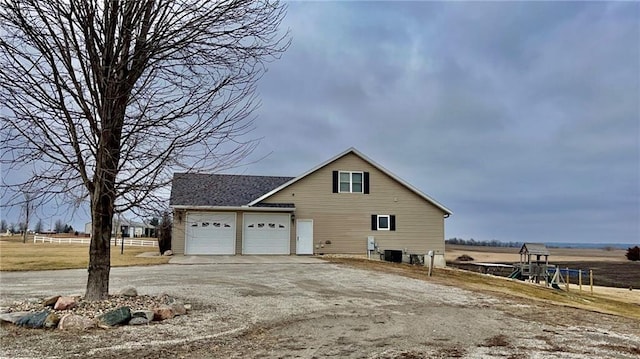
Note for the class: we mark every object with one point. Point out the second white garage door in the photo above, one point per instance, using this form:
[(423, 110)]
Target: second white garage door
[(266, 233)]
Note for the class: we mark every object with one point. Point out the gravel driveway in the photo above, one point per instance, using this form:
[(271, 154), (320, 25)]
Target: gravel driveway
[(316, 310)]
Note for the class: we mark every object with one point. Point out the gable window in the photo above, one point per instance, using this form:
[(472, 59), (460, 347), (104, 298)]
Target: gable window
[(383, 222), (350, 182)]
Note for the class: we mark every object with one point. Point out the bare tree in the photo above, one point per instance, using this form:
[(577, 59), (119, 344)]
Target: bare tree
[(59, 226), (105, 99), (27, 212), (38, 227)]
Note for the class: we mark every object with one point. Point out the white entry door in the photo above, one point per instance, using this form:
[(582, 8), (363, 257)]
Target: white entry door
[(304, 236)]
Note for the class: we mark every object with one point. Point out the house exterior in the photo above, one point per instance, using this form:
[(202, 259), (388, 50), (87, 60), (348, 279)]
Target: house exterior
[(127, 228), (346, 205)]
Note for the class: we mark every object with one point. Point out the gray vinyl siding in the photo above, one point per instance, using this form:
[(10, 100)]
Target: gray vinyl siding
[(344, 219), (178, 232)]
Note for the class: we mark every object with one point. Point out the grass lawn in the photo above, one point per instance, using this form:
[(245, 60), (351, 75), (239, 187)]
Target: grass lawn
[(503, 287), (16, 256)]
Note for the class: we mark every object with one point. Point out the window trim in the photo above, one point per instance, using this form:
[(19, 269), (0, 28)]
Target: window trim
[(340, 182), (380, 216), (391, 222)]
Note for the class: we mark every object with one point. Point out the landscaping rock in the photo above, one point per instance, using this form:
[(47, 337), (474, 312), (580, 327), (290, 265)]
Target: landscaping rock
[(168, 252), (163, 313), (64, 303), (114, 317), (51, 321), (75, 322), (129, 292), (148, 314), (50, 302), (179, 309), (139, 321), (33, 320), (12, 317), (187, 307)]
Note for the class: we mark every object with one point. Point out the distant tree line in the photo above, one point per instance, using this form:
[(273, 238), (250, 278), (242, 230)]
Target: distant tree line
[(473, 242), (59, 227)]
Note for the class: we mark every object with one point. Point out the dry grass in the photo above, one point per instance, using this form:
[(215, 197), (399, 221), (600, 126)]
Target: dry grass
[(501, 286), (16, 256)]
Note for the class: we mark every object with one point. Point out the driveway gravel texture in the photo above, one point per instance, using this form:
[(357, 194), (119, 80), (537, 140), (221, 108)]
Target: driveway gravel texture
[(320, 310)]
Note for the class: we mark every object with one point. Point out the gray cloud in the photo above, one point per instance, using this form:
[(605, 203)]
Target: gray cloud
[(522, 117)]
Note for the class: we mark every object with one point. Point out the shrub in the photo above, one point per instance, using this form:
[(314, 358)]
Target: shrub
[(164, 235), (633, 254), (464, 258)]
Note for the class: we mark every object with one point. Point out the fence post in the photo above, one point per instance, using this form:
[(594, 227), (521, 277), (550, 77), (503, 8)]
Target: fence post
[(591, 280), (567, 279), (580, 279)]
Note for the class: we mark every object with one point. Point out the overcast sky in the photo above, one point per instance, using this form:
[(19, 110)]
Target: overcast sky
[(523, 118)]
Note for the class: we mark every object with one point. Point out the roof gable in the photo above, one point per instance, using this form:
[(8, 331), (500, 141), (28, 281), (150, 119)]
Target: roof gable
[(534, 248), (364, 158), (198, 189)]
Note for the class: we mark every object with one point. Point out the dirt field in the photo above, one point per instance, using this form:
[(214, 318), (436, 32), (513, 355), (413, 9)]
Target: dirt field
[(610, 267), (511, 255), (319, 310)]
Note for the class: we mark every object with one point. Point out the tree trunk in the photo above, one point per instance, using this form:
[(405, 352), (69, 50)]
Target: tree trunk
[(100, 249), (102, 208)]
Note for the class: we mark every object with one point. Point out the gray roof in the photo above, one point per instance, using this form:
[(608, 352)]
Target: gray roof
[(275, 205), (199, 189), (534, 248)]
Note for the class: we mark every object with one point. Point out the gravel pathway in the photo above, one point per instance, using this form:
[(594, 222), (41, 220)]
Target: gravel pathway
[(315, 310)]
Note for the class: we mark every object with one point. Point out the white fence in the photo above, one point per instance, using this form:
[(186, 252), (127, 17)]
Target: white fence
[(85, 240), (134, 242)]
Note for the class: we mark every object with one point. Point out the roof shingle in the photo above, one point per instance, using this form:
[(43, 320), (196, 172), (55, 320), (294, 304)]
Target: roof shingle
[(199, 189)]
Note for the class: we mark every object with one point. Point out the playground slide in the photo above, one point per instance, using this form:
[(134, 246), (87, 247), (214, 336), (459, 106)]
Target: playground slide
[(517, 274)]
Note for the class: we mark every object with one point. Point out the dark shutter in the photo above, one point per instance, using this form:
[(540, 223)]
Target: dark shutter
[(335, 181), (366, 183), (374, 222), (392, 220)]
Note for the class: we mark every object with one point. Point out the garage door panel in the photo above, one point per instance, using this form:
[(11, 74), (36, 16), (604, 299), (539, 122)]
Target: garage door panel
[(266, 233), (210, 233)]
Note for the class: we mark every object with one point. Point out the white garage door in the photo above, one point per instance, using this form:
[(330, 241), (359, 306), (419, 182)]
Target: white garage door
[(210, 233), (266, 233)]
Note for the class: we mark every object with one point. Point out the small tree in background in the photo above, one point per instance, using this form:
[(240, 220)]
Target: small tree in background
[(155, 222), (27, 215), (59, 226), (633, 254), (164, 233), (38, 227)]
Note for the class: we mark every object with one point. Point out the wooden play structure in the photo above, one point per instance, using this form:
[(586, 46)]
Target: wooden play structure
[(532, 266)]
